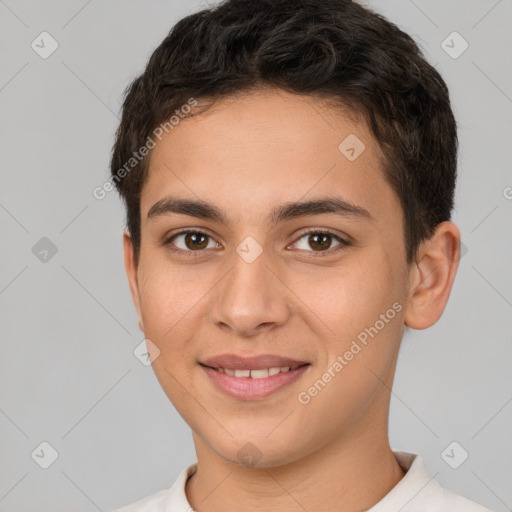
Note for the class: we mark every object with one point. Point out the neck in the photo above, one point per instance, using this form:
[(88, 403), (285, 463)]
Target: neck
[(349, 474)]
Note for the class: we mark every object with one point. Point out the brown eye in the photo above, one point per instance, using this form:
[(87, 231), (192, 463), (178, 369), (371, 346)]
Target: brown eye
[(190, 241), (320, 242), (195, 241)]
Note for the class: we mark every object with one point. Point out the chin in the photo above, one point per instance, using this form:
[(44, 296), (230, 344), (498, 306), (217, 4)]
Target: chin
[(258, 451)]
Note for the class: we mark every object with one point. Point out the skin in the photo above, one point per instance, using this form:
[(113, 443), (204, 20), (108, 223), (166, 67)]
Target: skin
[(265, 148)]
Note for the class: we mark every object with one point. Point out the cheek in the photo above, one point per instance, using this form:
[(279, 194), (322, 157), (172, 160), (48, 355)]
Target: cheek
[(348, 297), (171, 305), (169, 293), (358, 321)]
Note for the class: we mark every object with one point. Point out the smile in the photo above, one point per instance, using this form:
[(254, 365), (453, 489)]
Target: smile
[(253, 384)]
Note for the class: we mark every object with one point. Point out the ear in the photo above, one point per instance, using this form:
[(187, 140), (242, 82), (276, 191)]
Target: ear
[(131, 272), (431, 276)]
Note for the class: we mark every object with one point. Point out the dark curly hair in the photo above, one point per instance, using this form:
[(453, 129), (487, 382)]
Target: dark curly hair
[(330, 49)]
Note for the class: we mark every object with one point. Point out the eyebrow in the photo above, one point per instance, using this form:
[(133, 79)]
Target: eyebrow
[(286, 211)]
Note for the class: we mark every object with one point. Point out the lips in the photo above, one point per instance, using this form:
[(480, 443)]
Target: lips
[(260, 362), (254, 387)]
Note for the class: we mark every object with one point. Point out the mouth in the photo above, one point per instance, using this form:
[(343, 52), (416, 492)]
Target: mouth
[(253, 383)]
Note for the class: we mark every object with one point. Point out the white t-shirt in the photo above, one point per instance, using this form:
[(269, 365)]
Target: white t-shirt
[(416, 492)]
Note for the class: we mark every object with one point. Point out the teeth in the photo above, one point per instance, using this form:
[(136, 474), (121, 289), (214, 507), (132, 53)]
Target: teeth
[(256, 374)]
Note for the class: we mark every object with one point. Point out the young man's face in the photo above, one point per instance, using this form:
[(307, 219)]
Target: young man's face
[(307, 296)]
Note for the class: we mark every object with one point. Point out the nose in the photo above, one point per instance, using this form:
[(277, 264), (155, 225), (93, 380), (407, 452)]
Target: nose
[(251, 299)]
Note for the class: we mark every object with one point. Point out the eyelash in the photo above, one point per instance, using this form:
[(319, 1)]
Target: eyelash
[(317, 254)]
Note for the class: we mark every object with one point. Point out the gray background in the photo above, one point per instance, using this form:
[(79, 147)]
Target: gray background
[(68, 373)]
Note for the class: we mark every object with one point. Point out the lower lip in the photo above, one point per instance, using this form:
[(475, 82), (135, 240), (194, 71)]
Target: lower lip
[(247, 388)]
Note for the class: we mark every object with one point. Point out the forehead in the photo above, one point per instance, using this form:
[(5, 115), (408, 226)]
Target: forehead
[(251, 152)]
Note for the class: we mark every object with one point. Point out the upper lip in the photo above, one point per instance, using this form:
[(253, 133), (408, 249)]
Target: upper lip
[(235, 362)]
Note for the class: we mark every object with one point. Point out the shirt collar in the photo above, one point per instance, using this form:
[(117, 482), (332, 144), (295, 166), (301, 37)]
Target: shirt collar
[(416, 487)]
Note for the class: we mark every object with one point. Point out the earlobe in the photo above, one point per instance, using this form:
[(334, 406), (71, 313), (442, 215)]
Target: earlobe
[(432, 276), (131, 273)]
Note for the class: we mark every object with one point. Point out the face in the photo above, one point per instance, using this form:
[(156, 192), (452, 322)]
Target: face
[(324, 286)]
